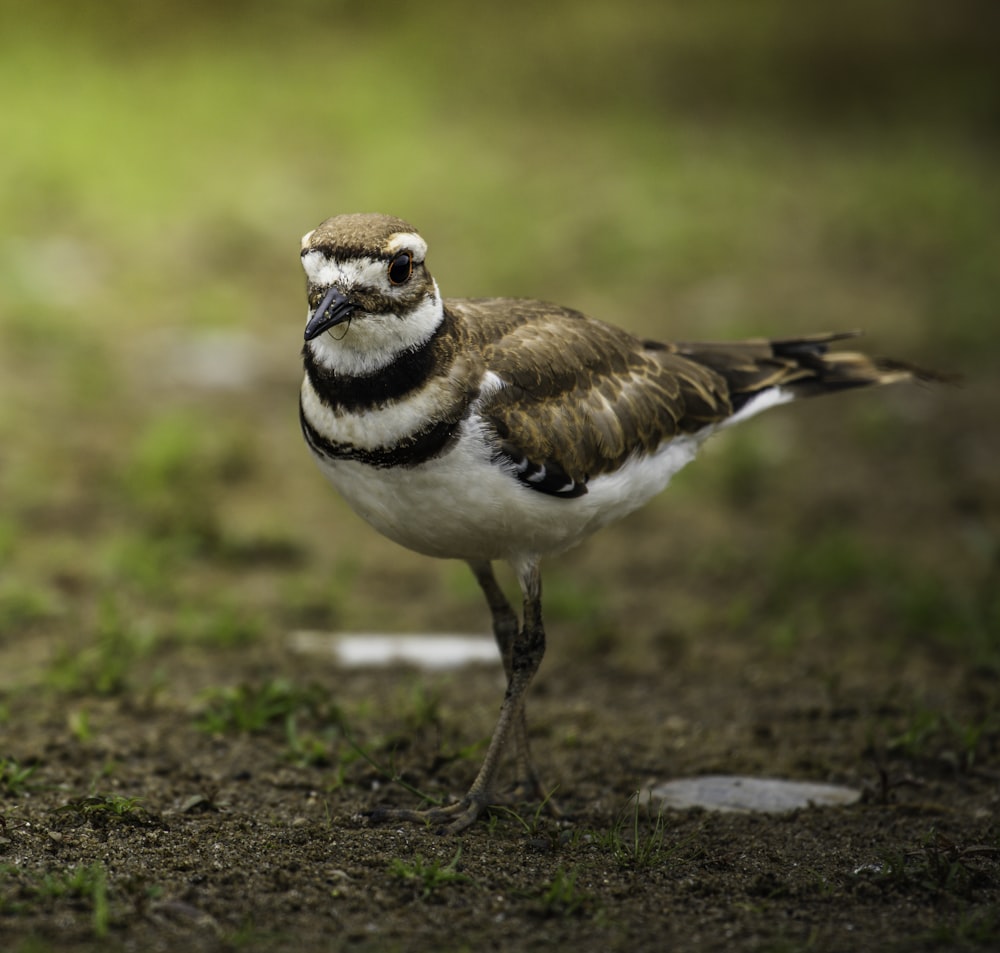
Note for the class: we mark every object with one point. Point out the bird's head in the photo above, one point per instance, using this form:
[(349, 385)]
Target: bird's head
[(370, 295)]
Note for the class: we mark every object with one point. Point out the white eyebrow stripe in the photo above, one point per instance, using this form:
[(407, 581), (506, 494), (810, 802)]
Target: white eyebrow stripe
[(409, 240)]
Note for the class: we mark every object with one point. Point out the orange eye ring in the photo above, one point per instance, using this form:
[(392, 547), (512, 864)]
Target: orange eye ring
[(400, 268)]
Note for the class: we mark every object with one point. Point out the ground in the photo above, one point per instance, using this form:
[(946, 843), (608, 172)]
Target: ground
[(146, 825)]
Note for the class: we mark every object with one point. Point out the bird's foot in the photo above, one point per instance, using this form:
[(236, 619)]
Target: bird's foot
[(450, 819), (460, 815)]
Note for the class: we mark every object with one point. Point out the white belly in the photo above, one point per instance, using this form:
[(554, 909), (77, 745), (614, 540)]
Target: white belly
[(462, 506)]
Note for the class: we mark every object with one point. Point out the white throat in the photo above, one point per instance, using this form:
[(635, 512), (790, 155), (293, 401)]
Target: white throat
[(368, 342)]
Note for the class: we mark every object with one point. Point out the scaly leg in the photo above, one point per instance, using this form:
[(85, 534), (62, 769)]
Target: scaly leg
[(525, 652), (505, 628)]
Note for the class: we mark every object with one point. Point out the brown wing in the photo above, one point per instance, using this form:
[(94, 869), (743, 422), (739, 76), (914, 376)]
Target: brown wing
[(582, 396)]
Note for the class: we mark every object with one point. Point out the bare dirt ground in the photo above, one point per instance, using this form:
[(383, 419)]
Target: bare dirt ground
[(152, 833)]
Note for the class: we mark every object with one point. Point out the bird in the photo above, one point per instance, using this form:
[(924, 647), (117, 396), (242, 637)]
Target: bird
[(503, 429)]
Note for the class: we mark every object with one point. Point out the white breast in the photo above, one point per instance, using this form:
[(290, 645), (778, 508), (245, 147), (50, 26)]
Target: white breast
[(462, 506)]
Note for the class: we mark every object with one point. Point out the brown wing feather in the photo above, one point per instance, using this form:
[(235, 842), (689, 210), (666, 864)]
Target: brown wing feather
[(583, 396)]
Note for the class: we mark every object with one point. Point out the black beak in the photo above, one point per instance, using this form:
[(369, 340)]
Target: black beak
[(333, 309)]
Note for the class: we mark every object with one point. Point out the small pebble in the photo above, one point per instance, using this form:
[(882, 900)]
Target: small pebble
[(721, 792)]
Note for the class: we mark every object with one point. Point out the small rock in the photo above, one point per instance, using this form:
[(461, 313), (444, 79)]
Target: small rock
[(721, 792)]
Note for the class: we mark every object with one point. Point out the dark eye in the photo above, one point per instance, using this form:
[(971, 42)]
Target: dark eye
[(400, 268)]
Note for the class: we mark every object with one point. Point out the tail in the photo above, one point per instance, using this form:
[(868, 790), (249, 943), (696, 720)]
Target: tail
[(798, 367)]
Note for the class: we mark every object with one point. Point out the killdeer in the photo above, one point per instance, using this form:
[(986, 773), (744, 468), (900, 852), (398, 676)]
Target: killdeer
[(489, 429)]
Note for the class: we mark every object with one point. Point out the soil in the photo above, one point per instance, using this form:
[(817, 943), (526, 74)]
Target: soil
[(232, 843)]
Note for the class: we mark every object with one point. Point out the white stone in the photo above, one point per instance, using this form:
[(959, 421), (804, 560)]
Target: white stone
[(434, 652), (721, 792)]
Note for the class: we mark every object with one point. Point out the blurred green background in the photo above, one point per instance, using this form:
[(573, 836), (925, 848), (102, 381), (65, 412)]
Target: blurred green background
[(685, 170)]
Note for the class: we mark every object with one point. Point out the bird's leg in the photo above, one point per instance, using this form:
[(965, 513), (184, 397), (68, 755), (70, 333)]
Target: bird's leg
[(505, 629), (505, 623), (526, 650)]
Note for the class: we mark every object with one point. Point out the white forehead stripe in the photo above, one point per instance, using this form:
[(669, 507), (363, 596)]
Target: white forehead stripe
[(356, 272), (410, 241), (305, 239)]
